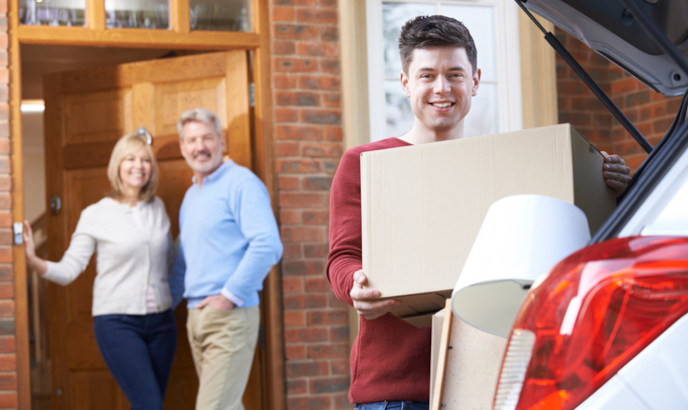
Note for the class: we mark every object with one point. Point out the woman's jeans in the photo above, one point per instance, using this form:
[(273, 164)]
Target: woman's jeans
[(394, 405), (138, 350)]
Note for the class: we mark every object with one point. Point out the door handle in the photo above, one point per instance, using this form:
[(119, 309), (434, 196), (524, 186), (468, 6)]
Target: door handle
[(55, 204)]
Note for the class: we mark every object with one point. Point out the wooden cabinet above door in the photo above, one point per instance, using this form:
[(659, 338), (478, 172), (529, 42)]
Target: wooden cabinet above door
[(180, 24)]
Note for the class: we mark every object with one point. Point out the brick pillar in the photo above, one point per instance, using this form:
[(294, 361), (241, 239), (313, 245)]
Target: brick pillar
[(8, 358), (308, 146), (650, 112)]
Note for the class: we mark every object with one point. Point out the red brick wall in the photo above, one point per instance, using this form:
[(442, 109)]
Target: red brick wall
[(8, 359), (308, 145), (650, 112)]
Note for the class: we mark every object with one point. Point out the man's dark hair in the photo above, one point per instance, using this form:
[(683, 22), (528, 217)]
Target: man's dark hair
[(435, 31)]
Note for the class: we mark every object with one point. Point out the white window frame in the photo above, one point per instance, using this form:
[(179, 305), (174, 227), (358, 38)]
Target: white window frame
[(508, 62)]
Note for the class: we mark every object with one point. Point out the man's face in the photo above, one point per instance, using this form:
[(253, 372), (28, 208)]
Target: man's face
[(440, 84), (201, 147)]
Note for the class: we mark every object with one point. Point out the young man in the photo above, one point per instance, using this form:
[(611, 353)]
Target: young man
[(229, 242), (390, 360)]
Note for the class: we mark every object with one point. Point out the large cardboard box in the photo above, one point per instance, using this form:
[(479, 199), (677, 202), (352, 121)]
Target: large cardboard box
[(423, 205)]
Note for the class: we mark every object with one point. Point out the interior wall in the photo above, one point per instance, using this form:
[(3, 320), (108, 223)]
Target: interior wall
[(34, 165)]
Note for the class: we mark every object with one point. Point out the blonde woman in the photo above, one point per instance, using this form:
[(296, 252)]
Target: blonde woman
[(133, 321)]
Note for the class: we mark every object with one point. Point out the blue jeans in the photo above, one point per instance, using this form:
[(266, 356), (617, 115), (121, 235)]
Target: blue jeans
[(394, 405), (138, 350)]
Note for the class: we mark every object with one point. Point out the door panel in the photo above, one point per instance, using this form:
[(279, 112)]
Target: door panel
[(91, 389), (209, 93), (82, 188), (97, 117), (86, 113)]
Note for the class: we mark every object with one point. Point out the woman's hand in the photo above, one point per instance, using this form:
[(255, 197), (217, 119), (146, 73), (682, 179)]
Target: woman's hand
[(35, 263), (28, 241)]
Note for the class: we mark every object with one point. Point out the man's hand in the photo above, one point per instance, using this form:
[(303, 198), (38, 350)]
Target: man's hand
[(219, 302), (369, 309), (616, 173)]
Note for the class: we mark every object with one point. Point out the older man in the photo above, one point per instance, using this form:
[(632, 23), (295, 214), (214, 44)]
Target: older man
[(229, 241)]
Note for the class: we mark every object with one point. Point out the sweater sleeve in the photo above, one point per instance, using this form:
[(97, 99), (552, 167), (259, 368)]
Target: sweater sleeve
[(75, 259), (345, 256), (258, 225)]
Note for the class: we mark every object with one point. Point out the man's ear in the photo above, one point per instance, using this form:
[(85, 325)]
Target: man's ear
[(403, 78), (476, 82)]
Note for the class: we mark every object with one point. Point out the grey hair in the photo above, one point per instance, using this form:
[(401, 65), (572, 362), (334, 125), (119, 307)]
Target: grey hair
[(201, 115)]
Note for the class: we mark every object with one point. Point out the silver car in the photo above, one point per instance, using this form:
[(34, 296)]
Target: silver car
[(608, 327)]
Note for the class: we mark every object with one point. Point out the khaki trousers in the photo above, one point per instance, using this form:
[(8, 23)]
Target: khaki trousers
[(222, 345)]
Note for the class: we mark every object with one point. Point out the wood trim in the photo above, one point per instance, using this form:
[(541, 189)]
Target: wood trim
[(138, 38), (538, 75), (238, 125), (21, 318), (264, 166), (179, 16), (54, 182), (95, 14), (355, 109)]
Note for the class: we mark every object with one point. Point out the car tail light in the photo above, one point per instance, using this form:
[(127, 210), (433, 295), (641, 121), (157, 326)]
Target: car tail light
[(593, 313)]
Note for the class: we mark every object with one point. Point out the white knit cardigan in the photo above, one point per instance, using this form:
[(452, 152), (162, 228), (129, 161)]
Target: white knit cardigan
[(128, 257)]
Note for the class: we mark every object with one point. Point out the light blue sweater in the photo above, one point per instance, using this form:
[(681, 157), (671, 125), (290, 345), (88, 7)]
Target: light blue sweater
[(229, 238)]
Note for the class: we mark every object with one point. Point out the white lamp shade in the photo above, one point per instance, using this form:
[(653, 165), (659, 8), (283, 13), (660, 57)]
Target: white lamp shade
[(521, 238)]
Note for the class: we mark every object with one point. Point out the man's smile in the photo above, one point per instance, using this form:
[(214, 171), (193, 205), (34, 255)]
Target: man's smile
[(442, 104)]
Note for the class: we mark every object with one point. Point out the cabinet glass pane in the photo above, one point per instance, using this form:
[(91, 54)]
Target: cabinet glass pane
[(52, 12), (227, 15), (137, 13)]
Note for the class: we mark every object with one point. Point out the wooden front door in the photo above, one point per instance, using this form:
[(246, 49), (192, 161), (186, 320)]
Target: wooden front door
[(86, 113)]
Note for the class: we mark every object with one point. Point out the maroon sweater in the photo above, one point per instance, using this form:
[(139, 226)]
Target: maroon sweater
[(390, 359)]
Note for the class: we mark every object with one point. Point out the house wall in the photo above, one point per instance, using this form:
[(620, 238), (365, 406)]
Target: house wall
[(308, 146), (8, 358)]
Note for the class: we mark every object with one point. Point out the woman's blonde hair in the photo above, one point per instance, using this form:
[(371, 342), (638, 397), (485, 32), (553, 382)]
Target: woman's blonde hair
[(128, 145)]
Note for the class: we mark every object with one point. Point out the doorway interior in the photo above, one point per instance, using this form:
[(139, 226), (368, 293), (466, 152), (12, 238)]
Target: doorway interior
[(36, 61)]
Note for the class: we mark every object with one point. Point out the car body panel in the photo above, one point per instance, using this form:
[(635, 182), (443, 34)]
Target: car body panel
[(614, 395), (656, 379)]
